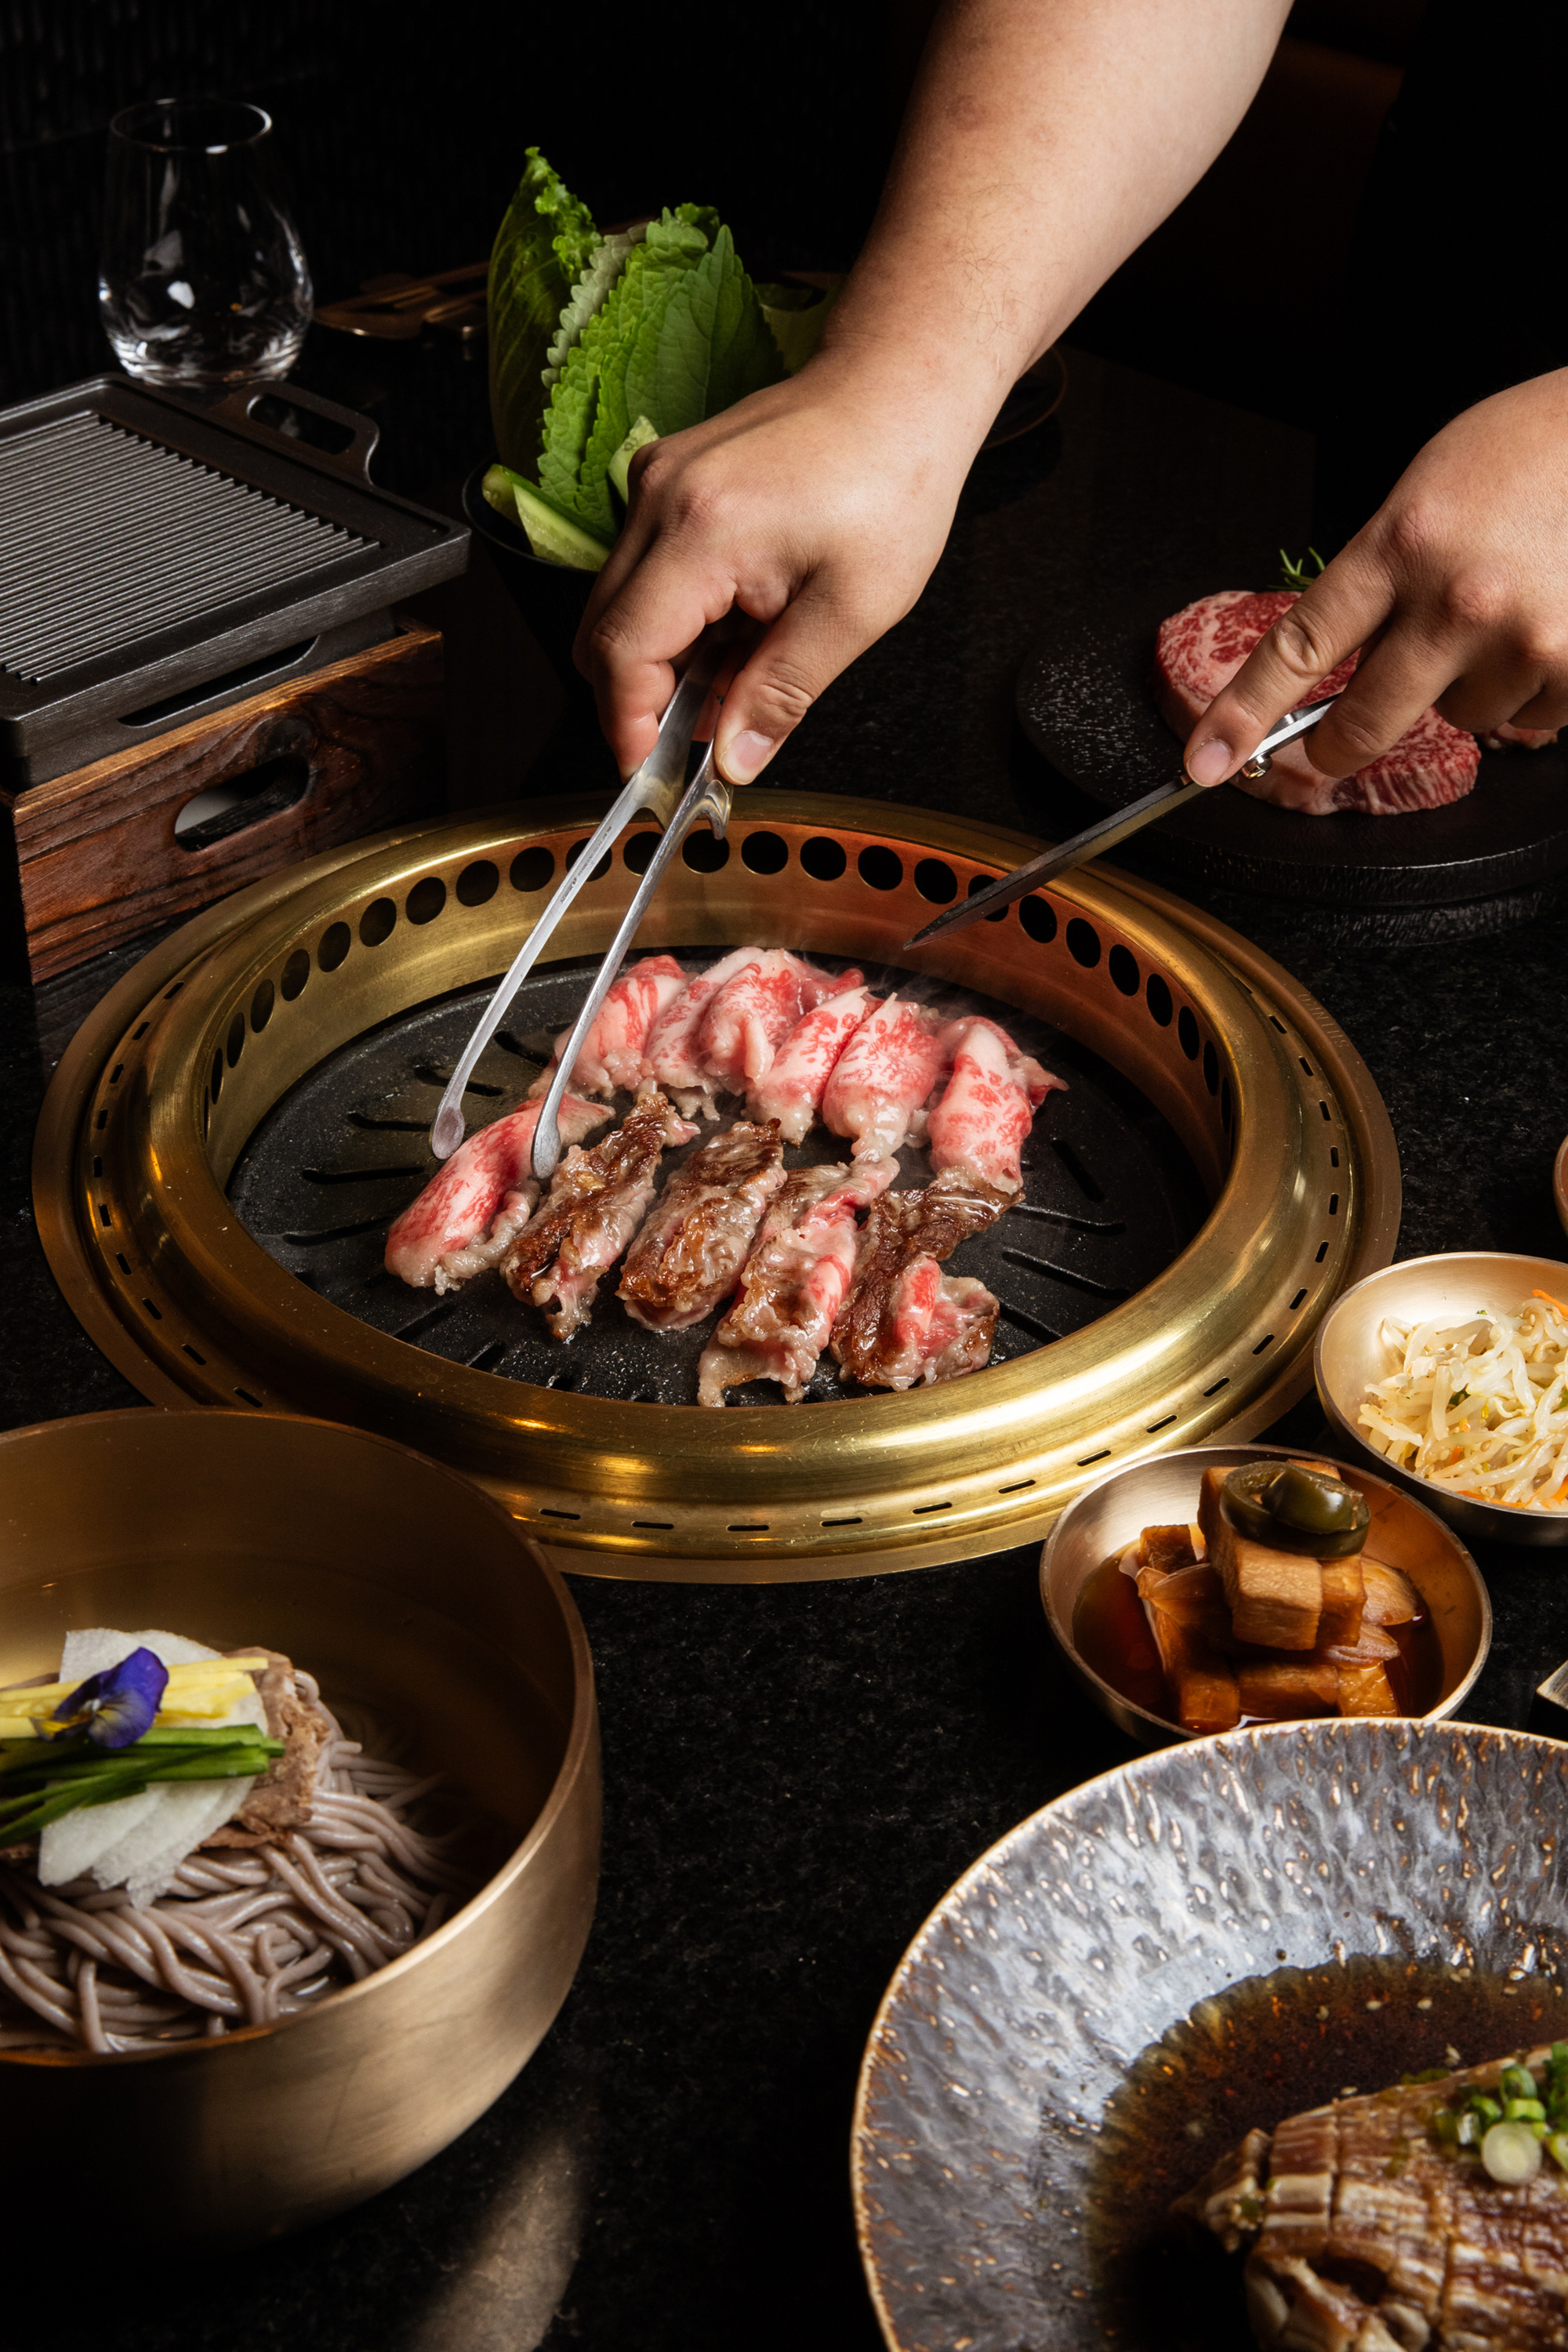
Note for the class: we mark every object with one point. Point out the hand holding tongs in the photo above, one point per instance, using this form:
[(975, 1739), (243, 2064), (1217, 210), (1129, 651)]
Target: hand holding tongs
[(1109, 830), (660, 786)]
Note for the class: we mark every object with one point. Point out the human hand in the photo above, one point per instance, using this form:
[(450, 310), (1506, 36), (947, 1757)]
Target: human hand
[(819, 506), (1457, 588)]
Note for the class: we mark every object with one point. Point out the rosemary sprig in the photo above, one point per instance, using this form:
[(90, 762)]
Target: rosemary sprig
[(1296, 575)]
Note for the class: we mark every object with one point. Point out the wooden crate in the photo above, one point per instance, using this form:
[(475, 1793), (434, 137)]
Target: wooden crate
[(93, 858)]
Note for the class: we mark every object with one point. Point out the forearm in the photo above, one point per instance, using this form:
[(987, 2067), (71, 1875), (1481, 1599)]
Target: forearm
[(1045, 140)]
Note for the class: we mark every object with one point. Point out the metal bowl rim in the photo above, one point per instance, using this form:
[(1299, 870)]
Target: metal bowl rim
[(1202, 1455), (579, 1740)]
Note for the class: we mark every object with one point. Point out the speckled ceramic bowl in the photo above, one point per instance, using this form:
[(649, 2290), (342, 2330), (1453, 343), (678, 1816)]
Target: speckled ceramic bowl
[(1349, 1354), (987, 2103)]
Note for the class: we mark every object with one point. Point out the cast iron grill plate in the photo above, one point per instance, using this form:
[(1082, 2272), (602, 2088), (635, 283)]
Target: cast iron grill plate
[(1110, 1197), (106, 537), (152, 544)]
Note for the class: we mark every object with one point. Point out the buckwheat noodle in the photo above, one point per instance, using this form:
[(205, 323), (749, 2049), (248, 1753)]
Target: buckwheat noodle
[(242, 1937)]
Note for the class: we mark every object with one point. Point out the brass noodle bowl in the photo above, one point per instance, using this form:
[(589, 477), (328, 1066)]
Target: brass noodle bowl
[(161, 1090), (444, 1639)]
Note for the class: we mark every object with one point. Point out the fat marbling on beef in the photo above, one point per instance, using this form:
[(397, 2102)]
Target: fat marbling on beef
[(904, 1321), (794, 1282), (1200, 649), (796, 1078), (988, 1104), (468, 1214), (610, 1055), (670, 1054), (878, 1085), (756, 1011)]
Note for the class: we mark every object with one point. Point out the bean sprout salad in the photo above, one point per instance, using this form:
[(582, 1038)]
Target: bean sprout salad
[(1480, 1407)]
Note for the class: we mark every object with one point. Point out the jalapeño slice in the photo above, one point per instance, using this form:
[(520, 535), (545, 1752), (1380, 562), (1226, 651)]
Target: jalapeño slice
[(1295, 1509)]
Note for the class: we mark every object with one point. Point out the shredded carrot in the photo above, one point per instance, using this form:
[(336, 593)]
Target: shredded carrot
[(1549, 1300)]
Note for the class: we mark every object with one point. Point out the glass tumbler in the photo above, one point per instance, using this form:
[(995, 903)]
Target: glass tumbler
[(204, 280)]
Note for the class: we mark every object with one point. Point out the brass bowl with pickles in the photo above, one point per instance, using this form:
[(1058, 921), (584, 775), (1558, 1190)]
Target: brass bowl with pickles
[(275, 2023), (1229, 1585)]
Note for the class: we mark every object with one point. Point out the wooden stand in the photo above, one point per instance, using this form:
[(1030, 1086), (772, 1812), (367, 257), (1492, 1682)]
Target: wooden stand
[(94, 857)]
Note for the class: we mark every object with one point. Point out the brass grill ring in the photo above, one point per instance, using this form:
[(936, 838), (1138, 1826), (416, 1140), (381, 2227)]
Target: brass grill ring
[(160, 1091)]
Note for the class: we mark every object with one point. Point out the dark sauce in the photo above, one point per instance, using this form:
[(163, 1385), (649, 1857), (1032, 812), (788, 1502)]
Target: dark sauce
[(1257, 2053), (1111, 1634)]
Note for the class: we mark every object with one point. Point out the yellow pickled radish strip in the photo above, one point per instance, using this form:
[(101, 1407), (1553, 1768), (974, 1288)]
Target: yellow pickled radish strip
[(207, 1706), (183, 1680)]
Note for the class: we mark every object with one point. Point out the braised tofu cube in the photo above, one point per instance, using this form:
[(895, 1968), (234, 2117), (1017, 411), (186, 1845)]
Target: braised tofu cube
[(1206, 1698), (1202, 1684), (1285, 1689), (1209, 1494), (1276, 1598), (1344, 1598)]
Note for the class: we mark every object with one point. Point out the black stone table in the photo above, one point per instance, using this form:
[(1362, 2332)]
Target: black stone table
[(795, 1774)]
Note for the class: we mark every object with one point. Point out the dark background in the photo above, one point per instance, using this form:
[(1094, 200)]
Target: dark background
[(402, 132), (794, 1774)]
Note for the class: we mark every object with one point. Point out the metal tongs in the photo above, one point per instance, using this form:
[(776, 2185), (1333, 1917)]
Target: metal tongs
[(659, 786), (1109, 830)]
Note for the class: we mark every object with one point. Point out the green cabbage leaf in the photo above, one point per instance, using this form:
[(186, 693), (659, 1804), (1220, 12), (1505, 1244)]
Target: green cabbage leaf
[(546, 243)]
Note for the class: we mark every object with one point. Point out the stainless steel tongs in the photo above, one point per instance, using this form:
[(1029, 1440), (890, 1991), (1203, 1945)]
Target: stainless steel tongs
[(659, 786), (1108, 830)]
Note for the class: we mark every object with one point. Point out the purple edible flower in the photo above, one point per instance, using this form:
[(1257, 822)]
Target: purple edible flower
[(117, 1706)]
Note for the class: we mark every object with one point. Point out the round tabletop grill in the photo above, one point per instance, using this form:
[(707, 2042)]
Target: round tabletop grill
[(230, 1134)]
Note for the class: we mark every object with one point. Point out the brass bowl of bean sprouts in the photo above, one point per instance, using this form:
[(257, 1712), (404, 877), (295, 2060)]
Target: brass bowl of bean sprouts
[(447, 1650), (1450, 1374)]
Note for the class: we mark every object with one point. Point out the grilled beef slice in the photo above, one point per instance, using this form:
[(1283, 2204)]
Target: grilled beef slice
[(900, 1323)]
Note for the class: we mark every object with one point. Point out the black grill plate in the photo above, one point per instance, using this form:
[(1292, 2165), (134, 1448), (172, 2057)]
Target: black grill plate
[(1110, 1197)]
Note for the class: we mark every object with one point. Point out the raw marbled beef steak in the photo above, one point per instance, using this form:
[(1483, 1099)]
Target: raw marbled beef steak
[(1200, 649)]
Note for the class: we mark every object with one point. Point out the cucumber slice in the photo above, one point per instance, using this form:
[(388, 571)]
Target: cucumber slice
[(497, 492), (550, 534), (619, 468)]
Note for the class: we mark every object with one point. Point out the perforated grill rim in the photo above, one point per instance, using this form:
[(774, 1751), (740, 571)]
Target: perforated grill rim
[(310, 962), (108, 537)]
